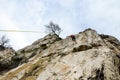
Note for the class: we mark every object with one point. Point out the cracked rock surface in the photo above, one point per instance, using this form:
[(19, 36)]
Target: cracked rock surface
[(92, 56)]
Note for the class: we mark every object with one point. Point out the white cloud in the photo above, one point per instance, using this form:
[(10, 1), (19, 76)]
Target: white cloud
[(22, 15), (67, 3), (71, 15), (102, 15), (16, 38)]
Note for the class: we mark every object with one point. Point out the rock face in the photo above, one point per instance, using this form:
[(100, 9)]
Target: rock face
[(35, 48), (6, 55), (91, 57)]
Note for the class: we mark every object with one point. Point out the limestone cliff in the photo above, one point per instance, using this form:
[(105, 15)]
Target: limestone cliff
[(92, 56)]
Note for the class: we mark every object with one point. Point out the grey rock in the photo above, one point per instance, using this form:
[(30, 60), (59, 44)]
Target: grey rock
[(90, 57)]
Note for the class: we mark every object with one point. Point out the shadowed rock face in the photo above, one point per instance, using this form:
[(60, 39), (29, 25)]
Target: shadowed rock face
[(2, 48), (6, 55), (90, 57)]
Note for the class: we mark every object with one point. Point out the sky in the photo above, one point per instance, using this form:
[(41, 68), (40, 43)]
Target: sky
[(73, 16)]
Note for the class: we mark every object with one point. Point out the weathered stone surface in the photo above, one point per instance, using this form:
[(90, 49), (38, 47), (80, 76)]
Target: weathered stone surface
[(91, 57), (38, 46), (6, 58), (10, 59)]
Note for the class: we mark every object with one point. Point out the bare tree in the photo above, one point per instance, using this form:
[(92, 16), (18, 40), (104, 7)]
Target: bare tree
[(53, 28), (4, 41)]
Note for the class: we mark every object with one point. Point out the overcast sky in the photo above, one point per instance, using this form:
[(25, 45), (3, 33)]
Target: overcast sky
[(72, 16)]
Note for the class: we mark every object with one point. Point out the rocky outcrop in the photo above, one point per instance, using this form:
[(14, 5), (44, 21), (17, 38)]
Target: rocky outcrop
[(6, 55), (90, 57), (10, 58), (37, 47)]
